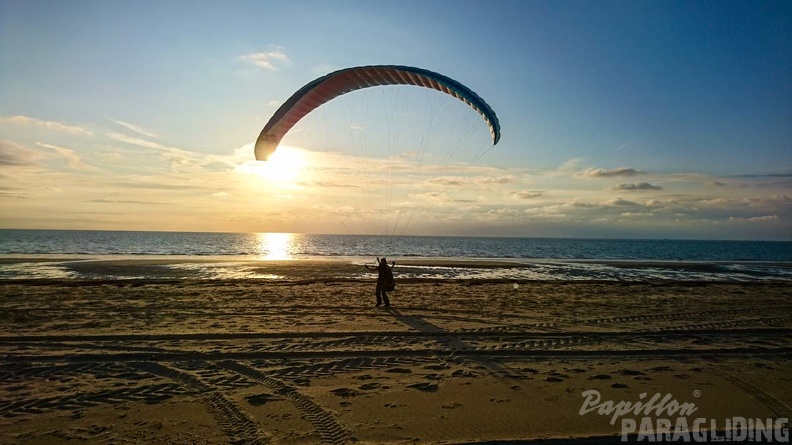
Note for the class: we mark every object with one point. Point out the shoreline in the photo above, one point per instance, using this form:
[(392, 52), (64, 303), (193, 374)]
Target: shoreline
[(153, 267)]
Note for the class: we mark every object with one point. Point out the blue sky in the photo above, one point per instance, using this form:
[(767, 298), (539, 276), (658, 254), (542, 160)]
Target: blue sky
[(633, 118)]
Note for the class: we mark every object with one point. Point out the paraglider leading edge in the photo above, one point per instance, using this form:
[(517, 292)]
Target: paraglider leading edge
[(330, 86)]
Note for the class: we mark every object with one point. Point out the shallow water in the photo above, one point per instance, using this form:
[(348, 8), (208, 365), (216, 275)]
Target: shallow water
[(172, 255)]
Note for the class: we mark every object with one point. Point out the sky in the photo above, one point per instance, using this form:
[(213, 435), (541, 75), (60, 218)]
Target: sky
[(620, 119)]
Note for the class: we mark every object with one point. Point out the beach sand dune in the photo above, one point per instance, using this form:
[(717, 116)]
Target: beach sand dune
[(313, 361)]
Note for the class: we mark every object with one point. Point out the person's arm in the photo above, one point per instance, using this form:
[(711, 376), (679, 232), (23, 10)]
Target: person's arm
[(393, 264)]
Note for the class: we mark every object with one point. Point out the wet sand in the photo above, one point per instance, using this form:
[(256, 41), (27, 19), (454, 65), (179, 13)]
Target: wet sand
[(313, 361)]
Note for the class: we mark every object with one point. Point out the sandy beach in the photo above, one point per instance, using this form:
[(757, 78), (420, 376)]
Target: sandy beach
[(313, 361)]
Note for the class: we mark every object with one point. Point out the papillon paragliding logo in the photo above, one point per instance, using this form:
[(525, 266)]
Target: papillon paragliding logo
[(327, 88)]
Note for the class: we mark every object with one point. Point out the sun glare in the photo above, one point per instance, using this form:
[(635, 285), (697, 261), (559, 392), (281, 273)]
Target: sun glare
[(285, 167), (275, 246)]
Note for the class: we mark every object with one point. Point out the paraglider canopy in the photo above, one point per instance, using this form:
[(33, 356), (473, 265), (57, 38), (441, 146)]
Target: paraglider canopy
[(337, 83)]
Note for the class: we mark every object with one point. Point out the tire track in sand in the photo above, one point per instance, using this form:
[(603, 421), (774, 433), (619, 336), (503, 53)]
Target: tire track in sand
[(329, 430), (779, 408), (237, 425)]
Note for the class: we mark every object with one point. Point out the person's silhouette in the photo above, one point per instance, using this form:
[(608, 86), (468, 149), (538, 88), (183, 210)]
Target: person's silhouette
[(385, 280)]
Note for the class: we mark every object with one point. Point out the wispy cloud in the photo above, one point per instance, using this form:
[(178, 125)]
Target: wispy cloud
[(267, 60), (621, 202), (136, 128), (433, 197), (495, 180), (176, 156), (766, 175), (120, 137), (528, 194), (609, 173), (49, 125), (114, 201), (444, 181), (637, 186), (756, 219), (71, 156), (13, 154)]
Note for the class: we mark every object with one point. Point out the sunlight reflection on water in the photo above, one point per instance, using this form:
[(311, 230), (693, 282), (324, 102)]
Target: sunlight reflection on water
[(276, 246)]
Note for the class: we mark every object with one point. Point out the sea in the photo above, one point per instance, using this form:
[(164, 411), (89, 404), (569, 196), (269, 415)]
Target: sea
[(63, 254)]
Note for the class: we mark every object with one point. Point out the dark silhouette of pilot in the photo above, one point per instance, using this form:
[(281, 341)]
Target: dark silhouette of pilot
[(385, 280)]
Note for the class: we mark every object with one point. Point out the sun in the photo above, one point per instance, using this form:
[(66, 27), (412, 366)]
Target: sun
[(285, 167)]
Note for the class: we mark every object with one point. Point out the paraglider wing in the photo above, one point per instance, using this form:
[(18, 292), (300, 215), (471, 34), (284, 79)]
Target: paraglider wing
[(335, 84)]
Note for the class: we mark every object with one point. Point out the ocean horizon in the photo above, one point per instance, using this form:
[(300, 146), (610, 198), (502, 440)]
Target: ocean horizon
[(30, 253)]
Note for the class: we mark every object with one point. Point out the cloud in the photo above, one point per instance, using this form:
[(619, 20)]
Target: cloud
[(136, 129), (637, 214), (177, 156), (49, 125), (135, 141), (527, 194), (495, 180), (113, 201), (765, 175), (155, 186), (13, 154), (571, 164), (274, 103), (71, 156), (448, 180), (581, 205), (433, 197), (621, 202), (637, 186), (266, 60), (327, 184), (756, 219), (609, 173)]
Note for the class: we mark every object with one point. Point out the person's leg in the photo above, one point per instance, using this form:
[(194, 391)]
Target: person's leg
[(385, 298), (380, 291)]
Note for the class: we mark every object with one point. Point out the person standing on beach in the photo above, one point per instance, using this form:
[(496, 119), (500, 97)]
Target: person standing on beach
[(385, 280)]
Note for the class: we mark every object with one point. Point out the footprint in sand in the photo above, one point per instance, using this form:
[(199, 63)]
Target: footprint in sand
[(630, 372), (399, 371), (600, 377), (452, 405), (345, 392), (436, 367), (661, 368), (425, 386), (369, 386), (619, 385), (463, 373), (262, 399)]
